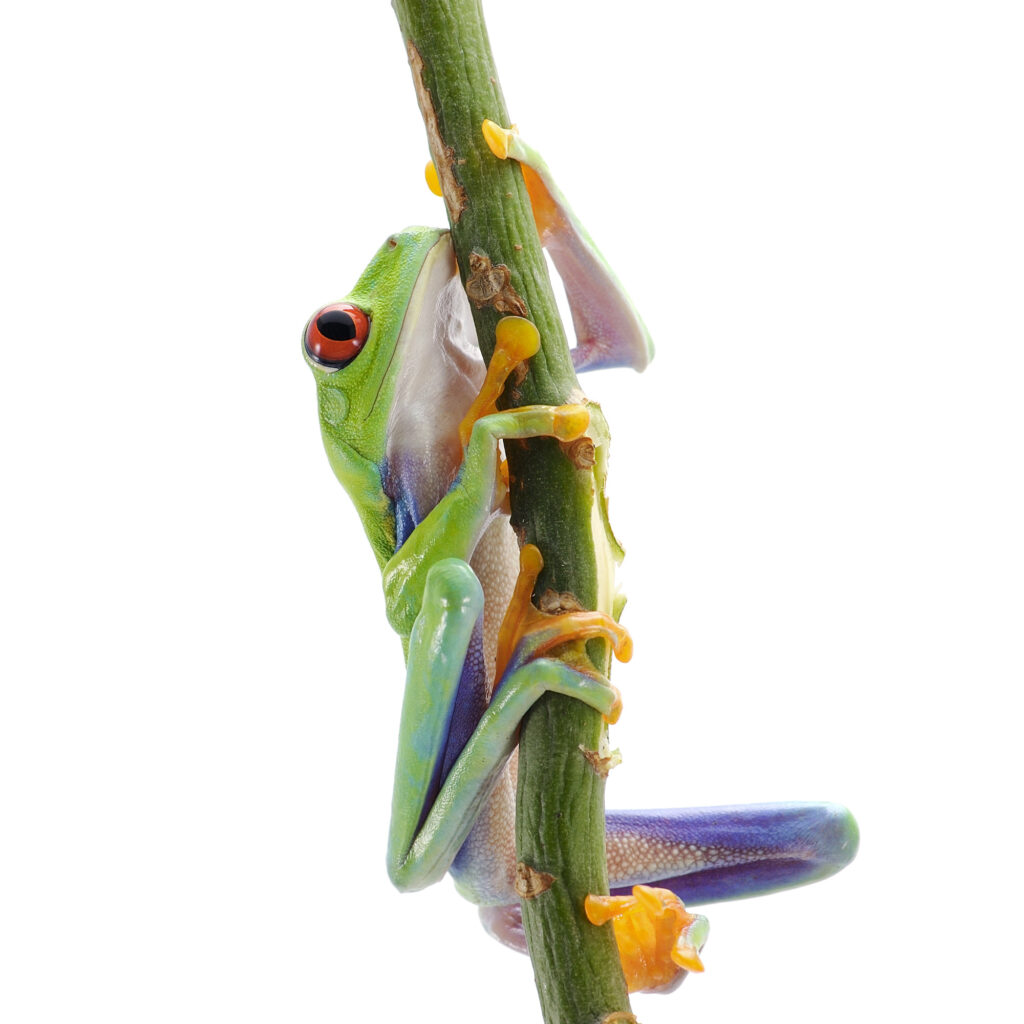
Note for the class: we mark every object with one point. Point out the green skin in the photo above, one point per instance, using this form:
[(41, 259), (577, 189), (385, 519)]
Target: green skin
[(434, 516), (434, 598)]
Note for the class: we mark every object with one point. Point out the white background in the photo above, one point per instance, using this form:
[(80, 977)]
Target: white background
[(817, 207)]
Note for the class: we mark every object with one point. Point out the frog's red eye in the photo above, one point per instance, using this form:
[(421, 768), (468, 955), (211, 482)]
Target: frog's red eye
[(336, 334)]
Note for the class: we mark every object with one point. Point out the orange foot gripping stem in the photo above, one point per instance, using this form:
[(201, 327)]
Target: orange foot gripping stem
[(658, 939)]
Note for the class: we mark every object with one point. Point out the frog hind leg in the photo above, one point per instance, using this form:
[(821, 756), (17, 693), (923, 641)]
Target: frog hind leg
[(609, 330), (710, 854), (453, 744)]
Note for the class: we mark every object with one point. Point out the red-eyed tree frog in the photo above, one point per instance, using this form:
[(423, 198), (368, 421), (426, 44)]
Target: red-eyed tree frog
[(408, 422)]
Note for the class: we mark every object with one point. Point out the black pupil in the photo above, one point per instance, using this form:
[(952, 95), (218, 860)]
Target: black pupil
[(337, 325)]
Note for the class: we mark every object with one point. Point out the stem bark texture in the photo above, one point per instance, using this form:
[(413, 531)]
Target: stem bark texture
[(560, 805)]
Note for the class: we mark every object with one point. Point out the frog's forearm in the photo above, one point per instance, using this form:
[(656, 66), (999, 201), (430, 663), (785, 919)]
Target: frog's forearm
[(455, 524)]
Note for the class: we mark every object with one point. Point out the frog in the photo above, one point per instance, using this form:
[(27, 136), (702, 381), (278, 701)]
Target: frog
[(410, 424)]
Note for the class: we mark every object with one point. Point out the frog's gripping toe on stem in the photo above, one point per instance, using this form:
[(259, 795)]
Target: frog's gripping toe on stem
[(516, 339), (527, 633)]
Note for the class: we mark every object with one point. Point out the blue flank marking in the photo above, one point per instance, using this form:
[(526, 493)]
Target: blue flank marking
[(405, 521), (407, 515)]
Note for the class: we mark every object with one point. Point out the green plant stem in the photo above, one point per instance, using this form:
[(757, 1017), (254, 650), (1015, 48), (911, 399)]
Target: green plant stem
[(560, 803)]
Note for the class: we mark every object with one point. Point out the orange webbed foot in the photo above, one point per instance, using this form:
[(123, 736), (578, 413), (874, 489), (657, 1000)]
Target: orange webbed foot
[(658, 939)]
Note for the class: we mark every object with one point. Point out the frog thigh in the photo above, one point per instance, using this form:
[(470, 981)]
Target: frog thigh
[(706, 854)]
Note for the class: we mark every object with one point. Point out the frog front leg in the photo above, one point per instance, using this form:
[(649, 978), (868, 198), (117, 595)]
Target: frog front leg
[(609, 330), (442, 779), (454, 526)]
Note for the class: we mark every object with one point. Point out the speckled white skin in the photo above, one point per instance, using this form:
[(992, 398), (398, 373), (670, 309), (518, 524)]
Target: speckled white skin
[(484, 871)]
